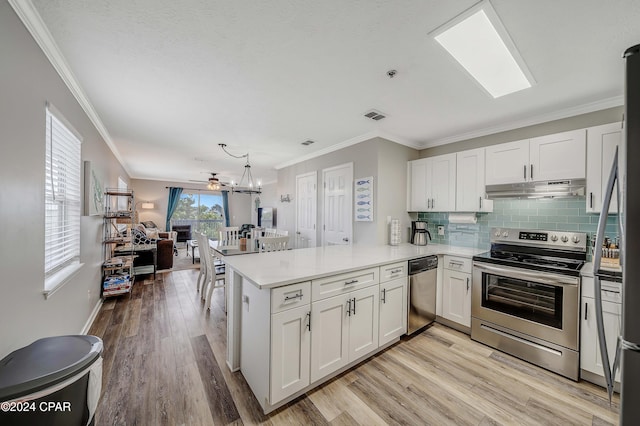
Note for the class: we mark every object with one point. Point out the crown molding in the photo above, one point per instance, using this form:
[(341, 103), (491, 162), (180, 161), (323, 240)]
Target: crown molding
[(539, 119), (353, 141), (32, 20)]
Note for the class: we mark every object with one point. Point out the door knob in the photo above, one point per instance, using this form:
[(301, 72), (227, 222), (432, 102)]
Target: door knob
[(345, 239)]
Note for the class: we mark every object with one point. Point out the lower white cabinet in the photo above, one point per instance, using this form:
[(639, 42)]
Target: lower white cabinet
[(590, 358), (290, 350), (343, 329), (456, 297), (393, 310)]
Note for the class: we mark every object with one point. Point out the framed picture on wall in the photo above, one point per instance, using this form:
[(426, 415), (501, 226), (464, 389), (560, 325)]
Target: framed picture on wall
[(93, 192), (363, 199)]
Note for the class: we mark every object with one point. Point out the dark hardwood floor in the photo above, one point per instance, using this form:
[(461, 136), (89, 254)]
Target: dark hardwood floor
[(164, 364)]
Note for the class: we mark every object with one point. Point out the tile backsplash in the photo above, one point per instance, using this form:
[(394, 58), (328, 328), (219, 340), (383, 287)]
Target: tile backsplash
[(546, 214)]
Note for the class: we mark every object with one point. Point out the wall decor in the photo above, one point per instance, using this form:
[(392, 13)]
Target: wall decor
[(363, 209), (93, 192)]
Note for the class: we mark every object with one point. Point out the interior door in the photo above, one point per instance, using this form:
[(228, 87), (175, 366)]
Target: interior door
[(306, 208), (337, 204)]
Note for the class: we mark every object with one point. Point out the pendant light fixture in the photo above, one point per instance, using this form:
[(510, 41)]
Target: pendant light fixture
[(243, 187)]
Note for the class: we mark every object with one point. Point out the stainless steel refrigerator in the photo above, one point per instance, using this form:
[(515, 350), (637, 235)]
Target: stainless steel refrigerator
[(627, 174)]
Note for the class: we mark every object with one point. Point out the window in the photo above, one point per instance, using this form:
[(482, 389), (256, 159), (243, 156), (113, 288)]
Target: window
[(202, 211), (62, 202)]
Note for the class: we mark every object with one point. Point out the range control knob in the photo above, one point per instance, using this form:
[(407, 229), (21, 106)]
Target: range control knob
[(505, 234), (575, 239), (564, 239), (554, 237)]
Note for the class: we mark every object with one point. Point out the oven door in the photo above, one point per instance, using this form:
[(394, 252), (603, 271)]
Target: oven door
[(539, 304)]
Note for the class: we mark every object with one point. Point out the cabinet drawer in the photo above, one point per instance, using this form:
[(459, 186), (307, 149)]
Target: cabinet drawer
[(290, 296), (455, 263), (393, 271), (343, 283)]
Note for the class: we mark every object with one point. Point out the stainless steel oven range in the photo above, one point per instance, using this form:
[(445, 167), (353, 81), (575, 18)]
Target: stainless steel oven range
[(525, 298)]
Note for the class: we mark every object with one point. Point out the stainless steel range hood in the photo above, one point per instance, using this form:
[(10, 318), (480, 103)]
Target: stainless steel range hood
[(547, 189)]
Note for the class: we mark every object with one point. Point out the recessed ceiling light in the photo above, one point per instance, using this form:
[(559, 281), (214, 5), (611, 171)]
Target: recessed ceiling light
[(478, 40)]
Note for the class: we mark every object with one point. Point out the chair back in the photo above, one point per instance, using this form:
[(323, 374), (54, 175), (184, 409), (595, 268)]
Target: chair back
[(281, 233), (273, 243), (229, 235), (269, 232)]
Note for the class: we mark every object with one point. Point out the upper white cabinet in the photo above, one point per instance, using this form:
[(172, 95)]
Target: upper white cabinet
[(601, 147), (432, 184), (470, 187), (507, 162), (551, 157)]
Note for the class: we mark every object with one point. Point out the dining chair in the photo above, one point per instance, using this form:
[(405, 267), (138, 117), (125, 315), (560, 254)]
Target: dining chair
[(273, 243), (269, 232), (215, 273), (230, 235), (203, 265), (281, 233)]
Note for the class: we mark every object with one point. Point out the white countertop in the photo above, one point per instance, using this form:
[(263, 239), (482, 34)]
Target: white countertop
[(274, 269)]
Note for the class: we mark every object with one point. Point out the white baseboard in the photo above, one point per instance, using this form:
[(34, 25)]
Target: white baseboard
[(92, 317)]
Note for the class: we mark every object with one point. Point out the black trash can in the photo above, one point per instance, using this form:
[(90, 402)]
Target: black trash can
[(53, 381)]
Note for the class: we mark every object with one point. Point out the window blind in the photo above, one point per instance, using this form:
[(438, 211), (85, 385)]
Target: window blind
[(62, 196)]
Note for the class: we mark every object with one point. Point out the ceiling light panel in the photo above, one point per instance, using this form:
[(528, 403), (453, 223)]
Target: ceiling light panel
[(480, 43)]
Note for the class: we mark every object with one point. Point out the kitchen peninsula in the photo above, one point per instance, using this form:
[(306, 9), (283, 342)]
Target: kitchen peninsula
[(296, 318)]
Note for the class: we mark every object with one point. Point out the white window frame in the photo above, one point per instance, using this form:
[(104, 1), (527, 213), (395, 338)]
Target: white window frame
[(62, 201)]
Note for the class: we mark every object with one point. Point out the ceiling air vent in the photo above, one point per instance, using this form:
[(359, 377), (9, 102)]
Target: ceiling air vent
[(375, 115), (307, 143)]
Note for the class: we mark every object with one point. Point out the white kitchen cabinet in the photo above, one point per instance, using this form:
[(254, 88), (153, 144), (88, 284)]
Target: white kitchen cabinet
[(343, 329), (553, 157), (470, 187), (601, 146), (456, 291), (432, 184), (590, 358), (393, 310), (507, 162), (290, 351)]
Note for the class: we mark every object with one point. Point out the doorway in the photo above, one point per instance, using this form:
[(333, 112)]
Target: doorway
[(337, 183), (306, 208)]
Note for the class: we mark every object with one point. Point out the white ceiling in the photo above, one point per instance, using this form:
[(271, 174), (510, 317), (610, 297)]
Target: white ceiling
[(171, 79)]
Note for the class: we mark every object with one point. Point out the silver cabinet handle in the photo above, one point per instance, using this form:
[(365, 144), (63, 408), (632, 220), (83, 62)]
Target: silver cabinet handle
[(531, 171), (467, 285), (525, 172), (350, 282), (349, 307), (309, 320), (586, 305), (395, 271), (295, 296), (384, 295), (354, 306), (480, 203), (433, 203), (591, 200), (428, 203)]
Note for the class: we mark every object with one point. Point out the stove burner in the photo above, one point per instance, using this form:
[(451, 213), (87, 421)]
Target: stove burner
[(544, 262)]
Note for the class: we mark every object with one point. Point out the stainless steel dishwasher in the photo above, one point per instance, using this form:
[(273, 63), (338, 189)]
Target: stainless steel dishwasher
[(422, 292)]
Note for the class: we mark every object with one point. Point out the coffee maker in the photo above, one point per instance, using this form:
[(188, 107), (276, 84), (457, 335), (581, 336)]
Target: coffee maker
[(419, 233)]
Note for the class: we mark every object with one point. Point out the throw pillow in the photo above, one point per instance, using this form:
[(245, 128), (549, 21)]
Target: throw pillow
[(152, 233)]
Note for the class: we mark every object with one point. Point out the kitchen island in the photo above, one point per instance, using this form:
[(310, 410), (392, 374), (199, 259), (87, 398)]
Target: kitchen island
[(281, 304)]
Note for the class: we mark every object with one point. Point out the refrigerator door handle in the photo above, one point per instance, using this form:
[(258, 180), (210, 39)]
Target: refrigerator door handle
[(597, 262)]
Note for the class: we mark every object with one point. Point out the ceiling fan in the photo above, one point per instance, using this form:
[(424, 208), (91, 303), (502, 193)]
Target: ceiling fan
[(213, 183)]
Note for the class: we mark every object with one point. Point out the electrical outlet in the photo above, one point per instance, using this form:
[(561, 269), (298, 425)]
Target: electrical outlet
[(441, 230)]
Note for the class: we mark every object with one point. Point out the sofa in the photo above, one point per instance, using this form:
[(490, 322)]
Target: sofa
[(165, 243)]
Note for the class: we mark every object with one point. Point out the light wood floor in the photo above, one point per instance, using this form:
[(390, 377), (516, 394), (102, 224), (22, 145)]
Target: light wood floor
[(164, 364)]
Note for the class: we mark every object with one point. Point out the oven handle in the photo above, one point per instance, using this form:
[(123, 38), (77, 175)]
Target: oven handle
[(535, 276)]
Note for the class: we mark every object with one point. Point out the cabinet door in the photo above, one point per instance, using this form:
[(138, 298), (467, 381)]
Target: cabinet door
[(290, 352), (590, 358), (507, 162), (456, 297), (329, 336), (363, 322), (443, 183), (601, 146), (393, 310), (558, 156), (418, 193), (470, 189)]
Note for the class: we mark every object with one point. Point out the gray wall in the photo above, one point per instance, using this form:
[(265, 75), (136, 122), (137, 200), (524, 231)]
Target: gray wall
[(27, 82), (596, 118), (156, 191), (385, 161)]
